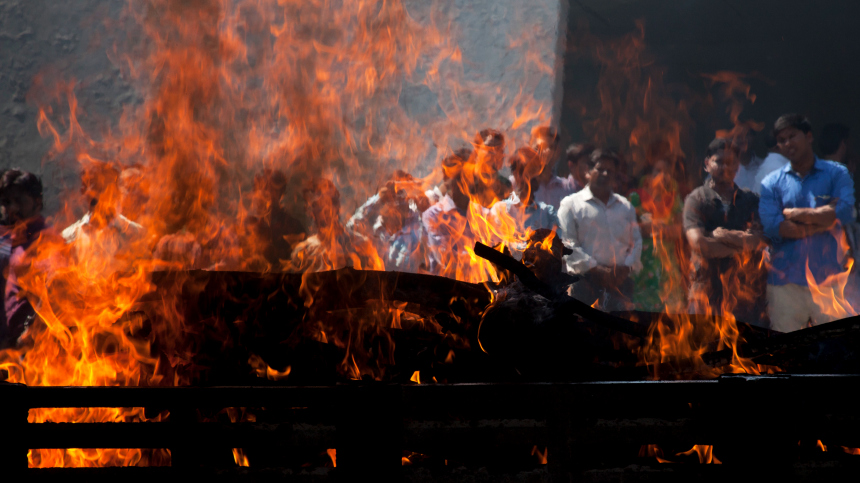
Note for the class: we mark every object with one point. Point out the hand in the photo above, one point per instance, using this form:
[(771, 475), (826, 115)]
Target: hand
[(790, 213), (731, 238)]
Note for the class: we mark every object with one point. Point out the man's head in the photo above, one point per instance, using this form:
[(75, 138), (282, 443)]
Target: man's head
[(744, 142), (793, 134), (544, 141), (577, 161), (602, 168), (20, 196), (721, 161), (526, 166), (100, 182), (490, 149), (833, 143)]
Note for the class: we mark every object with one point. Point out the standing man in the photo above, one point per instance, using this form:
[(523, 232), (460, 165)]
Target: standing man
[(752, 168), (601, 227), (548, 188), (21, 207), (721, 223), (803, 207)]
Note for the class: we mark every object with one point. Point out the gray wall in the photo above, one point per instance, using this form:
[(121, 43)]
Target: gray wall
[(69, 40)]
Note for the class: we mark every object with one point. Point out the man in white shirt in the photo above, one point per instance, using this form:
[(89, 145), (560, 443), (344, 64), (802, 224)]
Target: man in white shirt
[(753, 169), (600, 227)]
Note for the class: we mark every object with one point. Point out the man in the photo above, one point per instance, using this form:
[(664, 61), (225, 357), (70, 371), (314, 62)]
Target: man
[(548, 188), (601, 228), (392, 220), (803, 207), (752, 168), (21, 207), (452, 223), (577, 163), (521, 211), (722, 225), (486, 184)]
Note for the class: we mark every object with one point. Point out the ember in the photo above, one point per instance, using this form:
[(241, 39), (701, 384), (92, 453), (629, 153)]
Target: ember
[(306, 194)]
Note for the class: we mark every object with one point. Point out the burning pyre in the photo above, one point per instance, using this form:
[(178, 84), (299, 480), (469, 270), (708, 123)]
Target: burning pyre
[(306, 98)]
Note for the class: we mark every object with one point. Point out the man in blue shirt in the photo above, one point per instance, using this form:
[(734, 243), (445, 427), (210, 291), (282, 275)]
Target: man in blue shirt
[(803, 207)]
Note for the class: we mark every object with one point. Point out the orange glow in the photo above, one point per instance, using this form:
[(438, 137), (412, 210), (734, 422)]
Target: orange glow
[(705, 454), (239, 457), (540, 454), (332, 453)]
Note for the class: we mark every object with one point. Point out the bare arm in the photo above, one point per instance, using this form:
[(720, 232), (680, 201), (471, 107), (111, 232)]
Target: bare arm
[(709, 247), (823, 215), (795, 230)]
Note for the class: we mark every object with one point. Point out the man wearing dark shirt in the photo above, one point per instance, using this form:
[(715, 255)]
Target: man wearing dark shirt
[(722, 225), (21, 207)]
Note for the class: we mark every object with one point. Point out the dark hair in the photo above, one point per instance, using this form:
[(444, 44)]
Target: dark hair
[(25, 180), (831, 137), (452, 163), (599, 154), (719, 144), (796, 121), (521, 158), (577, 151), (490, 138)]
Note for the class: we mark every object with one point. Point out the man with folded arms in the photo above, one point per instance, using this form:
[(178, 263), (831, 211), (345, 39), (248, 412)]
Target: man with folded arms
[(803, 208)]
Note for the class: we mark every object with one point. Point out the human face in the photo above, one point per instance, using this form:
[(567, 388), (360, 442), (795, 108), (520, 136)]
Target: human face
[(579, 170), (794, 144), (602, 175), (723, 166), (18, 206)]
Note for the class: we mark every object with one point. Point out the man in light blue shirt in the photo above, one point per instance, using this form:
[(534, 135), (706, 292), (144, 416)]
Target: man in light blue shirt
[(803, 207)]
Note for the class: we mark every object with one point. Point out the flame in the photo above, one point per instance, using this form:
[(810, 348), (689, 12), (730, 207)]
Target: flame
[(332, 453), (821, 445), (542, 455), (416, 377), (705, 454), (239, 457)]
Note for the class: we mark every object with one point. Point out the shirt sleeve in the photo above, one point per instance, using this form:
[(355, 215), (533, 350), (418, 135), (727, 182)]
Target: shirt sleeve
[(843, 189), (634, 258), (770, 209), (693, 212), (579, 261)]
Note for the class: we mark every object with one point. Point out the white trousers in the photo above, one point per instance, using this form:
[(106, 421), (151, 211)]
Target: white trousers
[(790, 307)]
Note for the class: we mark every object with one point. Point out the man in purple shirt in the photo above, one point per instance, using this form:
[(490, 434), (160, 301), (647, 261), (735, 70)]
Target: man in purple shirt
[(803, 208), (549, 188), (21, 208)]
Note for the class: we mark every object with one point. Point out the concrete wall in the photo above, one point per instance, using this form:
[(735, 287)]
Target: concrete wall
[(70, 40)]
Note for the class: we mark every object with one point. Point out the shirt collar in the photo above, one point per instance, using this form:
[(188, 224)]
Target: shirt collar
[(817, 166), (588, 195), (710, 183)]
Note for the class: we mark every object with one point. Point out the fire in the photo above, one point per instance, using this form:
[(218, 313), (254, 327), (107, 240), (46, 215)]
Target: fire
[(705, 454), (253, 116)]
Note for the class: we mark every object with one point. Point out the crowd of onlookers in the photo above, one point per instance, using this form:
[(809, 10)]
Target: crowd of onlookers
[(749, 241)]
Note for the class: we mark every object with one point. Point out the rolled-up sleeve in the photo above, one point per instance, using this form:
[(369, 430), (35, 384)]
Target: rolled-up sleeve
[(843, 189), (579, 261), (770, 209)]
